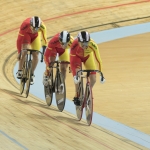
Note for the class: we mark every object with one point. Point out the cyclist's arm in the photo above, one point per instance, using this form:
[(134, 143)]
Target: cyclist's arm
[(19, 41), (25, 27), (21, 34), (95, 50), (47, 56), (44, 34), (50, 52), (74, 64)]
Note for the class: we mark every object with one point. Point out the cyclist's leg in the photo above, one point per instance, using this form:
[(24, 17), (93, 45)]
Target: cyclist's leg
[(36, 45), (49, 56), (23, 54), (47, 72), (63, 68), (92, 79), (34, 61), (52, 59), (18, 44), (28, 39), (21, 62), (90, 65), (75, 64), (64, 57), (47, 69), (21, 44)]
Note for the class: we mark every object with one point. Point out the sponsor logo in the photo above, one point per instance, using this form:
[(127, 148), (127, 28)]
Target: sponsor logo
[(60, 101), (94, 45), (42, 27)]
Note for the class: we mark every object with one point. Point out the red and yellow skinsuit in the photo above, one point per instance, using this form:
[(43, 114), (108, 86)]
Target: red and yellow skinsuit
[(88, 56), (54, 47), (26, 36)]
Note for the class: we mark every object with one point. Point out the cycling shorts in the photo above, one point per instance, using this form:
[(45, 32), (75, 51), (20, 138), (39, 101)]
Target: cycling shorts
[(32, 39), (76, 62), (63, 54)]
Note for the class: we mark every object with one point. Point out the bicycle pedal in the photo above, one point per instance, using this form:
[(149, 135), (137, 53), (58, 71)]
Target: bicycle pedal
[(77, 103)]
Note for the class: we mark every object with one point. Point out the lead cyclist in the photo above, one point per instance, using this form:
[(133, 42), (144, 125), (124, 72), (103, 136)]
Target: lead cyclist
[(84, 50)]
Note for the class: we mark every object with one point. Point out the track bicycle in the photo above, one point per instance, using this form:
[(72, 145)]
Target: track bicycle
[(27, 72), (56, 84), (85, 97)]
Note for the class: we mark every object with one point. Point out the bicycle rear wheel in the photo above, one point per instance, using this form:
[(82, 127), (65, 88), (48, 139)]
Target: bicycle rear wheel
[(88, 104), (29, 74), (60, 91), (48, 90), (79, 109)]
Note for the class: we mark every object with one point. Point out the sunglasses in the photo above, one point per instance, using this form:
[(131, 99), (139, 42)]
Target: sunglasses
[(84, 43)]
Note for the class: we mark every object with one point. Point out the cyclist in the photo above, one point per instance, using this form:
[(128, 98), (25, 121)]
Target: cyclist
[(32, 34), (84, 49), (59, 44)]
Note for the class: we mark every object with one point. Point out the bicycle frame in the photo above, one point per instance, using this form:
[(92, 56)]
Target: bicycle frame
[(28, 71), (29, 54), (87, 76), (57, 86), (57, 71), (87, 102), (87, 84)]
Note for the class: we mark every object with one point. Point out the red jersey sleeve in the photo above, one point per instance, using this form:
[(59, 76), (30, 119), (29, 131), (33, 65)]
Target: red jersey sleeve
[(25, 27), (46, 57), (53, 43), (74, 47)]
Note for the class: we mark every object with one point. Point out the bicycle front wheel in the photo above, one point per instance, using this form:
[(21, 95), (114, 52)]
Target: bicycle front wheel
[(60, 91), (88, 104), (48, 90), (29, 74), (23, 79), (22, 84), (79, 109)]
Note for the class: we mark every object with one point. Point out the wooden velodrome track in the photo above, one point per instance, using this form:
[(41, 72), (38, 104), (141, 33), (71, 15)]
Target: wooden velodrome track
[(30, 124)]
